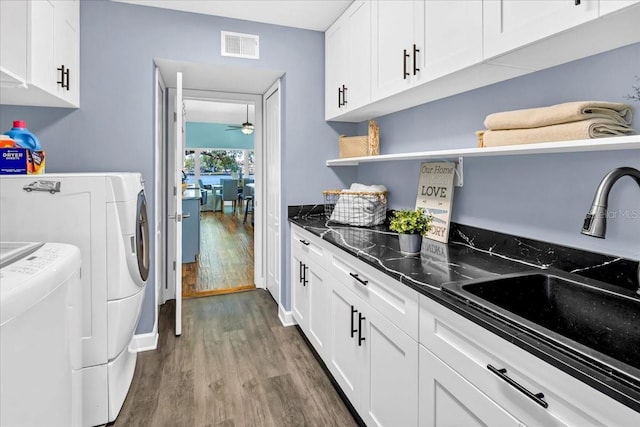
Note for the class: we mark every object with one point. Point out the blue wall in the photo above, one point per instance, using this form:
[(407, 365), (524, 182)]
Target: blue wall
[(543, 197), (216, 135), (113, 128)]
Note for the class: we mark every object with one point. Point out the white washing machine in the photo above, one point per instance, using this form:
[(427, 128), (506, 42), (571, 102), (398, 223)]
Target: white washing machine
[(105, 215), (40, 335)]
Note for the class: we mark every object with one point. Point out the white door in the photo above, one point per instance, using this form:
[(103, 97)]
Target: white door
[(272, 188), (176, 202)]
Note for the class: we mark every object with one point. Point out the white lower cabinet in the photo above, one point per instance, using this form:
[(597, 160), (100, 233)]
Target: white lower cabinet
[(497, 371), (310, 291), (448, 400), (448, 372), (373, 361)]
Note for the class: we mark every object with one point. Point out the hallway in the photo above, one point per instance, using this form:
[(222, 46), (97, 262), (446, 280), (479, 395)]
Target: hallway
[(234, 365), (225, 263)]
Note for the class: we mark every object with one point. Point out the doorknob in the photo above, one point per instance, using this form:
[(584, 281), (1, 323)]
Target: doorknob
[(178, 218)]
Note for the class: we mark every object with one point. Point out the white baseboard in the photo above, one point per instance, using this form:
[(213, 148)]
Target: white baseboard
[(144, 342), (286, 317)]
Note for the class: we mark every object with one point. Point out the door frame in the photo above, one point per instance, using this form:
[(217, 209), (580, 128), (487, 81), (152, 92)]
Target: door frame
[(160, 208), (261, 211), (162, 172)]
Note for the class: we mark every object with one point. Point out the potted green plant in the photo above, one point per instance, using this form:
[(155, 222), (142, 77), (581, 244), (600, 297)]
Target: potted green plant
[(410, 225)]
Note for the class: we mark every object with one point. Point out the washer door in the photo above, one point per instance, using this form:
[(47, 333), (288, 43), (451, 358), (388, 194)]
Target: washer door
[(142, 236)]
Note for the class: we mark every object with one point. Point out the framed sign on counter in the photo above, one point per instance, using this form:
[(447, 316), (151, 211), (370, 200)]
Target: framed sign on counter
[(435, 196)]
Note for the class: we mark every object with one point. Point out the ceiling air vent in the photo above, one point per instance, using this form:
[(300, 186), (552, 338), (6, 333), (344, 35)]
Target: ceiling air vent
[(240, 45)]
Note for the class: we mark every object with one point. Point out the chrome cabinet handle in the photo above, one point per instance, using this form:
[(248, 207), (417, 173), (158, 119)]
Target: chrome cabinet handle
[(185, 216), (502, 373), (355, 276)]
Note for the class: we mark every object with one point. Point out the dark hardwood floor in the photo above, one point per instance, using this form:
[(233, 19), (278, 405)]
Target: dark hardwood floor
[(234, 365), (225, 262)]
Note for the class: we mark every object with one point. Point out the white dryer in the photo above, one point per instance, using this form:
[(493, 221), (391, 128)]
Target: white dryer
[(105, 215), (40, 342)]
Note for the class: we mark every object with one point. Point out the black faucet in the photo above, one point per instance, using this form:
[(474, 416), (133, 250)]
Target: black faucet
[(595, 223)]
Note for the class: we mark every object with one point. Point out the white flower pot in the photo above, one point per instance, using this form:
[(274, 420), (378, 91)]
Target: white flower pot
[(410, 244)]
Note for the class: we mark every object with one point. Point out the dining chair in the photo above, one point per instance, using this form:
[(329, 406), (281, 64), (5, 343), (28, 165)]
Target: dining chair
[(230, 191)]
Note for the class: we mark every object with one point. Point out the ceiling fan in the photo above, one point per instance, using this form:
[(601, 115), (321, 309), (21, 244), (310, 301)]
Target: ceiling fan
[(246, 127)]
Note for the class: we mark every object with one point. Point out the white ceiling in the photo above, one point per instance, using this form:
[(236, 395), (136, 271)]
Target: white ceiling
[(315, 15), (217, 112)]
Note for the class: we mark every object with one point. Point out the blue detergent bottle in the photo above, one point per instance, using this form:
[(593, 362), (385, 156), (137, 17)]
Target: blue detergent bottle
[(21, 135)]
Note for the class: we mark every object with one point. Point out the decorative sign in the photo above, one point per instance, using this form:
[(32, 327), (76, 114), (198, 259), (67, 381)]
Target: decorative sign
[(435, 195)]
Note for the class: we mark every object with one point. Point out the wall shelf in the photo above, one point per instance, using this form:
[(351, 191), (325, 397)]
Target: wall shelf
[(602, 144)]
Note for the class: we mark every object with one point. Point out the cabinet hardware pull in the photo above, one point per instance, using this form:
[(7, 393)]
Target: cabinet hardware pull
[(344, 95), (405, 55), (304, 242), (353, 311), (304, 276), (64, 77), (301, 273), (415, 68), (185, 216), (355, 276), (339, 97), (360, 337), (502, 373)]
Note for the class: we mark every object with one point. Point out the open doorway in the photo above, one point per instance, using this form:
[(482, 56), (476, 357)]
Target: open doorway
[(217, 82), (219, 163)]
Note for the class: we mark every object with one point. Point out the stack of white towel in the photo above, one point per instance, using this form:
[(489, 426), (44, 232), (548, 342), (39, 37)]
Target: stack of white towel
[(362, 210), (561, 122)]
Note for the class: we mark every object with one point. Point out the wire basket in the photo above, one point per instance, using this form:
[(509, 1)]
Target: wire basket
[(359, 208)]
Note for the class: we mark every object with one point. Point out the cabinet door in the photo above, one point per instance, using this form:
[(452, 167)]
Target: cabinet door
[(299, 292), (345, 361), (510, 24), (66, 50), (336, 62), (319, 320), (348, 60), (358, 84), (448, 400), (41, 70), (390, 391), (13, 43), (608, 6), (396, 27), (452, 37)]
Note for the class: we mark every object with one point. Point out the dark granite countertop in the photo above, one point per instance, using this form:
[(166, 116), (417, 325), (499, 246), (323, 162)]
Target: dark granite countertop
[(474, 253)]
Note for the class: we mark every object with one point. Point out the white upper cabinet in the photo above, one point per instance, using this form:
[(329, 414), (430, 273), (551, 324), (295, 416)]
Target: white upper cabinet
[(510, 24), (48, 61), (397, 45), (425, 50), (608, 6), (13, 44), (418, 41), (348, 60), (452, 36)]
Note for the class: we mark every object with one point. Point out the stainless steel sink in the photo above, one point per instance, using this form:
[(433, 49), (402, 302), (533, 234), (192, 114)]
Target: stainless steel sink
[(599, 325)]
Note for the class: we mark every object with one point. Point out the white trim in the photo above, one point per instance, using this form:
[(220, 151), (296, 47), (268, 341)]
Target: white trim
[(144, 342), (158, 179), (286, 317)]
